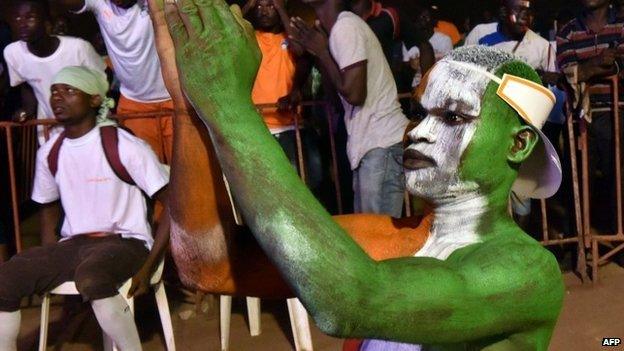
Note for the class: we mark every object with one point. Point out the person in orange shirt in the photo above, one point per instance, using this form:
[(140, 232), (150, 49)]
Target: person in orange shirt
[(283, 71), (445, 27)]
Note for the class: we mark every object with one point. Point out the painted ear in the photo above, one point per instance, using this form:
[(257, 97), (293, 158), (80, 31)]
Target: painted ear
[(96, 101), (525, 139)]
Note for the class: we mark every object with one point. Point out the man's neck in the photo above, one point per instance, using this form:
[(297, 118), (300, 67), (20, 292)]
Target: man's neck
[(469, 216), (75, 131), (597, 18), (327, 13), (44, 46)]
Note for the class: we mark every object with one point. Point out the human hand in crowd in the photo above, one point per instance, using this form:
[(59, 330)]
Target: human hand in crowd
[(550, 78), (605, 59), (290, 101), (279, 4), (248, 6), (313, 39), (140, 282), (21, 116)]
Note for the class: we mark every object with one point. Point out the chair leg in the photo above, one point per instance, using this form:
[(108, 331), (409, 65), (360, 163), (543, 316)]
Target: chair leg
[(225, 312), (43, 328), (165, 315), (253, 313), (300, 325)]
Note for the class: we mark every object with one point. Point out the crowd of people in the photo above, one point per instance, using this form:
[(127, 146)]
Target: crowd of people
[(358, 56)]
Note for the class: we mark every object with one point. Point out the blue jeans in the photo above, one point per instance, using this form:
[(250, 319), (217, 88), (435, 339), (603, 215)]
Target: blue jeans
[(379, 182)]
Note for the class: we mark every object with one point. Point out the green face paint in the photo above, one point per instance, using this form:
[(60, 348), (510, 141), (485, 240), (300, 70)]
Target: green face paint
[(504, 291)]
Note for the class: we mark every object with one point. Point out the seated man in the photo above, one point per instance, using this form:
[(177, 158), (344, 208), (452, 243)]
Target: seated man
[(479, 282), (106, 235)]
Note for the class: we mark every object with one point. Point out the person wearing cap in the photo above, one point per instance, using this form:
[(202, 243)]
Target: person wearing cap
[(105, 237), (512, 33), (479, 281)]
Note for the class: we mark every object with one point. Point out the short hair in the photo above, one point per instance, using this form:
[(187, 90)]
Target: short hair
[(42, 4)]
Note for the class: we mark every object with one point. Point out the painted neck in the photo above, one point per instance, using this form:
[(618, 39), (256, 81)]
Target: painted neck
[(471, 212), (458, 215)]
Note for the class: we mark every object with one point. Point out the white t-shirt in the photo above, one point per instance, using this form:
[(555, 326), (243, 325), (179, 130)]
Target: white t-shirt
[(94, 198), (379, 123), (130, 41), (442, 45), (38, 72), (533, 49)]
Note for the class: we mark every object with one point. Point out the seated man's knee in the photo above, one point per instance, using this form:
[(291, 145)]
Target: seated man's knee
[(94, 287), (10, 290)]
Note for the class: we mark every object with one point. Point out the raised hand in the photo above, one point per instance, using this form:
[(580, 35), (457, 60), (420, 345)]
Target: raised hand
[(216, 51), (313, 39)]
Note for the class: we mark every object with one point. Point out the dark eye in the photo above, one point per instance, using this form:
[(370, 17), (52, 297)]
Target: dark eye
[(453, 118)]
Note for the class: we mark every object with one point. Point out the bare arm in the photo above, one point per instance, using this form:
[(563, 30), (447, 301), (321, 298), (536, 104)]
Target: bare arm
[(141, 280), (350, 82), (71, 5), (49, 216), (29, 104)]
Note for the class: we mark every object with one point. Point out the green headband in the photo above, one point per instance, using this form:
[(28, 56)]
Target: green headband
[(91, 82)]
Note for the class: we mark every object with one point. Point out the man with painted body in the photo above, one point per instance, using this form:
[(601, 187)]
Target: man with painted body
[(479, 282)]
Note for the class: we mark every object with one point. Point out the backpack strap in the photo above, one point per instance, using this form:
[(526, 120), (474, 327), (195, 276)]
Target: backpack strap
[(110, 143), (53, 156)]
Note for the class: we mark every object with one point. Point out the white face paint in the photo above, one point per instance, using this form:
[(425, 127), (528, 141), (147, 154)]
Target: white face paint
[(452, 100)]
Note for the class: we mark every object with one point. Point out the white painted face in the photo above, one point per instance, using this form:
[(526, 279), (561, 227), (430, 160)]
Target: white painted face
[(452, 101)]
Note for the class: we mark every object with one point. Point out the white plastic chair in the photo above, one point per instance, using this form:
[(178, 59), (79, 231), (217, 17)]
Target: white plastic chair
[(69, 288), (298, 321)]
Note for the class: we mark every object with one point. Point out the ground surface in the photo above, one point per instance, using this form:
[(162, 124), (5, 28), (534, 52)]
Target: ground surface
[(590, 313)]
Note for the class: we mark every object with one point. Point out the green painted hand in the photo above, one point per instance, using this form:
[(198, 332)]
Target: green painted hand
[(216, 51)]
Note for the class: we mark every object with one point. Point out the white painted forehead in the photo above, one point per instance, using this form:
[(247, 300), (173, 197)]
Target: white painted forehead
[(454, 87)]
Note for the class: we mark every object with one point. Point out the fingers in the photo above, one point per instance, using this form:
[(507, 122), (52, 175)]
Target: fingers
[(208, 13), (176, 25), (190, 17)]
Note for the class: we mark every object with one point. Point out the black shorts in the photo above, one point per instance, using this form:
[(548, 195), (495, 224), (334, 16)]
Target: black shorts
[(98, 266)]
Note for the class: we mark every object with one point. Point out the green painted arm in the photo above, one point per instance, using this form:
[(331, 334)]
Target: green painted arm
[(418, 300)]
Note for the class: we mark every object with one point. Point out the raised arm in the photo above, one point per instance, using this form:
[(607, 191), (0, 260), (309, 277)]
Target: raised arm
[(349, 294), (202, 215), (71, 5)]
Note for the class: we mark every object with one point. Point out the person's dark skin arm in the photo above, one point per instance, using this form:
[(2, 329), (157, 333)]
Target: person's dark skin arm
[(141, 280), (29, 104), (71, 5), (599, 66), (349, 82), (49, 216), (412, 37), (303, 67)]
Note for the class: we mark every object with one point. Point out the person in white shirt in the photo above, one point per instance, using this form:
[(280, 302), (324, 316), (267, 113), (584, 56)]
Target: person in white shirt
[(36, 57), (512, 33), (106, 236), (442, 44), (353, 60), (129, 36)]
